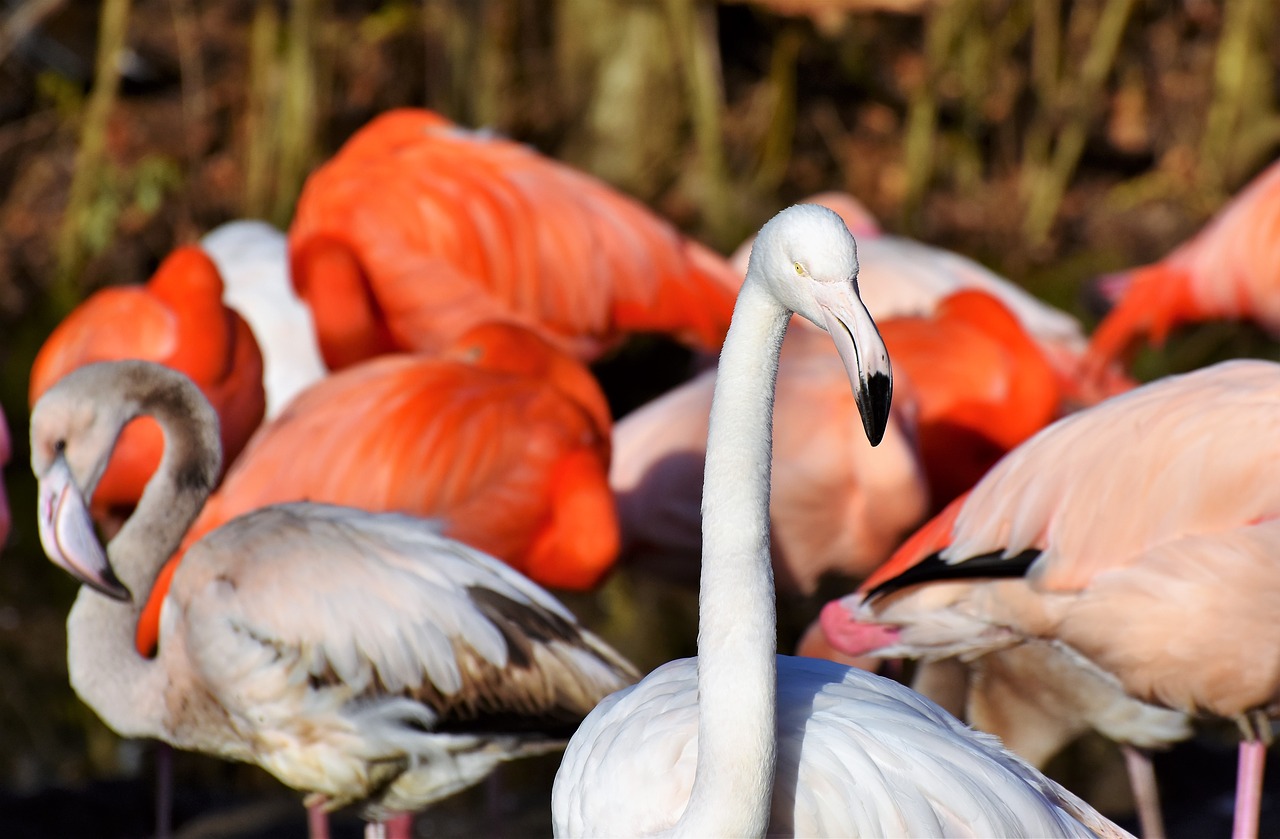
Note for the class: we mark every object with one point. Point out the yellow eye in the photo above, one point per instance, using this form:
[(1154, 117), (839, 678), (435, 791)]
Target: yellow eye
[(799, 268)]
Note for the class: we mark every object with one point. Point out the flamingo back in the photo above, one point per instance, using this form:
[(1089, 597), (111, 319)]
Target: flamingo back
[(448, 227), (858, 755)]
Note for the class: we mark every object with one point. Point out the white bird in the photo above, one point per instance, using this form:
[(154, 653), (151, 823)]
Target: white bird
[(740, 741), (253, 259), (360, 657)]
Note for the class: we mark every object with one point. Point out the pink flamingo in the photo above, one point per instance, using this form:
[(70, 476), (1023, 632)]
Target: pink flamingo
[(1137, 537)]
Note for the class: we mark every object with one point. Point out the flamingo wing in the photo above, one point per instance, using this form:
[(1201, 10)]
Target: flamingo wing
[(400, 634)]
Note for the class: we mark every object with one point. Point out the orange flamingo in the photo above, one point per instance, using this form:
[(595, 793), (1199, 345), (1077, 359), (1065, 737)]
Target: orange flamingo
[(504, 439), (1138, 537), (177, 319), (982, 385), (1230, 269), (418, 229)]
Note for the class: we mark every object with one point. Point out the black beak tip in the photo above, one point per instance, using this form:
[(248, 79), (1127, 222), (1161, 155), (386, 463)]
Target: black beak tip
[(111, 586), (874, 406)]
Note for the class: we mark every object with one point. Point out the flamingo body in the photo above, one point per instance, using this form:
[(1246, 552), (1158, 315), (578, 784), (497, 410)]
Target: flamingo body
[(869, 763), (1206, 512), (976, 384), (418, 229), (504, 440), (410, 668), (1166, 598)]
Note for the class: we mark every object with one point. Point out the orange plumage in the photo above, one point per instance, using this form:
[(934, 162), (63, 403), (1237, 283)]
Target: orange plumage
[(981, 384), (417, 230), (1230, 269), (177, 319)]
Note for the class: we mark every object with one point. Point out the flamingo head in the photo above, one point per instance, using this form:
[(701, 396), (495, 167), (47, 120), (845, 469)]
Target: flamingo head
[(71, 442), (809, 261)]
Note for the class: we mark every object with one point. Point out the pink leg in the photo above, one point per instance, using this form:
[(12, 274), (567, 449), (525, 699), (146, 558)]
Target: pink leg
[(1146, 796), (317, 819), (1253, 755), (399, 826)]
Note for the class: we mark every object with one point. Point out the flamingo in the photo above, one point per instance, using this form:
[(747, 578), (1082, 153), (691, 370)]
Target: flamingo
[(363, 658), (178, 319), (739, 741), (1230, 269), (1136, 537), (417, 229), (504, 439)]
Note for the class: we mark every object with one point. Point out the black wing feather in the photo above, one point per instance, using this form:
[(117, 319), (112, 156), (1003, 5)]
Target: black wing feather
[(933, 568)]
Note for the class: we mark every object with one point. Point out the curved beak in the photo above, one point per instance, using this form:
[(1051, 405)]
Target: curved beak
[(863, 352), (66, 532)]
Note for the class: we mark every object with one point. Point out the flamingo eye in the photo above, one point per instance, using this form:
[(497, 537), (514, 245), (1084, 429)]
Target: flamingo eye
[(799, 268)]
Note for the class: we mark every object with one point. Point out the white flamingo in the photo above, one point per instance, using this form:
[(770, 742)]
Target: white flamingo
[(360, 657), (739, 741)]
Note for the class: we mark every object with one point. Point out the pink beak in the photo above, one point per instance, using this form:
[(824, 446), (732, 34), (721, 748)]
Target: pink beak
[(66, 532), (854, 637)]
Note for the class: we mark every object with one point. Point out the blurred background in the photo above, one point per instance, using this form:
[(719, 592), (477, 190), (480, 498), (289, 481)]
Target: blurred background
[(1051, 140)]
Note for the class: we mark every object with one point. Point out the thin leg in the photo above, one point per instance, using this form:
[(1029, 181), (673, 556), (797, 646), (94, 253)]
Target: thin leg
[(399, 826), (317, 818), (1146, 796), (375, 830), (1253, 755), (164, 791)]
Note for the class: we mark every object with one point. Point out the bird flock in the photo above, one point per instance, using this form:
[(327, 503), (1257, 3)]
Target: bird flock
[(336, 469)]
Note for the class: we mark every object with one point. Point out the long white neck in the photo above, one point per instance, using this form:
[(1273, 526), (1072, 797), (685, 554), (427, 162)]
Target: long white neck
[(107, 672), (737, 632)]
